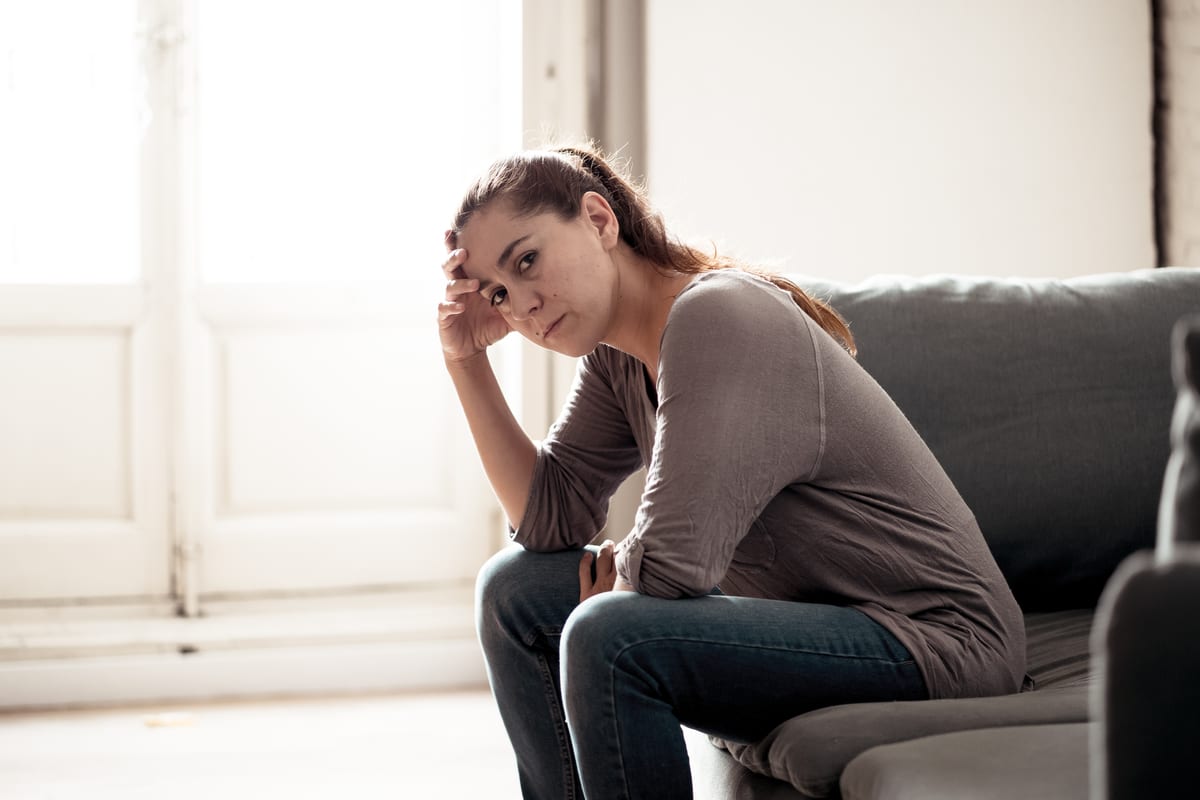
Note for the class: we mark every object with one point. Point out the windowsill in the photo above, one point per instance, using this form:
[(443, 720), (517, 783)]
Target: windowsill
[(376, 642)]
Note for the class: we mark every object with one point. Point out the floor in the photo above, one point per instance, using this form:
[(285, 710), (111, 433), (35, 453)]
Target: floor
[(444, 745)]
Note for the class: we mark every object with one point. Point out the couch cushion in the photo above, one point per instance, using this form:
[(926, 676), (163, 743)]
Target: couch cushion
[(716, 776), (1040, 762), (1058, 648), (1047, 402), (811, 750)]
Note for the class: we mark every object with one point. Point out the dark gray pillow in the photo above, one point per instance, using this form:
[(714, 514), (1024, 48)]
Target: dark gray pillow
[(1048, 403)]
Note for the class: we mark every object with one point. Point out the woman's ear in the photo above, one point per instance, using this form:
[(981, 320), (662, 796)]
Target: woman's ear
[(599, 214)]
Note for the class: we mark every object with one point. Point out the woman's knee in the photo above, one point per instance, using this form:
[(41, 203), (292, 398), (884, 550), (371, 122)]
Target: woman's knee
[(498, 588), (595, 633), (497, 576), (520, 590)]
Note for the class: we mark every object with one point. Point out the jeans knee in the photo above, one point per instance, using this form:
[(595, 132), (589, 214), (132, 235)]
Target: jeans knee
[(497, 575), (592, 637), (522, 596), (497, 587)]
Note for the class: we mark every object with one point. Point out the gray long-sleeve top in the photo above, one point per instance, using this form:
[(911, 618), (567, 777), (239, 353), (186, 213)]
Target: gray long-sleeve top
[(776, 468)]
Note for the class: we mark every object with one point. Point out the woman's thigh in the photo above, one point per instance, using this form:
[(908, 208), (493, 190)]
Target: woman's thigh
[(734, 666)]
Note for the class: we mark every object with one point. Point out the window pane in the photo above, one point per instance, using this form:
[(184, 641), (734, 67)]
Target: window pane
[(72, 111), (336, 137)]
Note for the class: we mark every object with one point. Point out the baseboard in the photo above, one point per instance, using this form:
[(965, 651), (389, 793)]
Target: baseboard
[(377, 644), (267, 672)]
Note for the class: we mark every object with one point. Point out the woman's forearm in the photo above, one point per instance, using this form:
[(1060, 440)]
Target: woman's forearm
[(507, 453)]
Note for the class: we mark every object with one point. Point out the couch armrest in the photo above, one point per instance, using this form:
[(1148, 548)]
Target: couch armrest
[(1146, 646)]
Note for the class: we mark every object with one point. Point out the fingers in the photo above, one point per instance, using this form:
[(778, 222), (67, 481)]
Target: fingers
[(453, 305), (585, 576), (457, 285), (457, 288), (605, 572), (448, 310), (452, 266), (460, 286)]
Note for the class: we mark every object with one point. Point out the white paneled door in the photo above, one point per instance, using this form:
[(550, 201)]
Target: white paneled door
[(83, 467), (220, 229), (330, 445), (84, 483)]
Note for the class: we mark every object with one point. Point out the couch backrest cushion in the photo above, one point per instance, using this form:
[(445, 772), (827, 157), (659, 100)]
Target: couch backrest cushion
[(1048, 403)]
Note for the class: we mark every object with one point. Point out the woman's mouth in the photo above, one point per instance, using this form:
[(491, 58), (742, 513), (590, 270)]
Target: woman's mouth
[(553, 327)]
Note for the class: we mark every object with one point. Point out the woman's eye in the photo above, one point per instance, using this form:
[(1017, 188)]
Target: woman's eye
[(527, 260), (498, 297)]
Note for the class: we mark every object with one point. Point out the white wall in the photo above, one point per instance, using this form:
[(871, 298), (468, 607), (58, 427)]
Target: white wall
[(1180, 120), (1008, 137)]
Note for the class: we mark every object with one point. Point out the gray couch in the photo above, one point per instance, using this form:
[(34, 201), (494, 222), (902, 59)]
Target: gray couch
[(1048, 403)]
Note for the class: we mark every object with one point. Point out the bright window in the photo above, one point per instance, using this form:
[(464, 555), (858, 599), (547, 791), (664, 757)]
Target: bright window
[(335, 138), (72, 113), (186, 181)]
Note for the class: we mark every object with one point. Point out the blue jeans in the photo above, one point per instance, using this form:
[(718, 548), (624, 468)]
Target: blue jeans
[(593, 695)]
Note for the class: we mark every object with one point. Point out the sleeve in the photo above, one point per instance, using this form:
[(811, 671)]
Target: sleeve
[(740, 417), (583, 460)]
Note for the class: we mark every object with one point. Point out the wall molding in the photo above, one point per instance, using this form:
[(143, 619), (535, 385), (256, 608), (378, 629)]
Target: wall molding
[(94, 656)]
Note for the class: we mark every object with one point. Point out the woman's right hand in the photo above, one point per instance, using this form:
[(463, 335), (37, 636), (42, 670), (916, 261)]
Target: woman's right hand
[(467, 322)]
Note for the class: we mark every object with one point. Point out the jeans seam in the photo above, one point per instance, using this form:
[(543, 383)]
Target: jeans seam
[(530, 638), (612, 703), (744, 646), (565, 750)]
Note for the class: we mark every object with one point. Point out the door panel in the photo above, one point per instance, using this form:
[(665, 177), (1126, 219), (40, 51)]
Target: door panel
[(83, 510), (67, 426), (329, 418), (338, 455)]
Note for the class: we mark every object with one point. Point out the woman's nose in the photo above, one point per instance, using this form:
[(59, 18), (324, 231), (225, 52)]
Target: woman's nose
[(523, 304)]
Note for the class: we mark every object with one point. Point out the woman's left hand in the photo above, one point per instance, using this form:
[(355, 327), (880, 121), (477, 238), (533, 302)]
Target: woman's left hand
[(606, 573)]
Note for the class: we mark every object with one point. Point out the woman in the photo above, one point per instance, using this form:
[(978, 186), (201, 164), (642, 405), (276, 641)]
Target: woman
[(797, 545)]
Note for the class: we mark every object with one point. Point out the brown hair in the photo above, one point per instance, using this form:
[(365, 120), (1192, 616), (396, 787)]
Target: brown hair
[(541, 181)]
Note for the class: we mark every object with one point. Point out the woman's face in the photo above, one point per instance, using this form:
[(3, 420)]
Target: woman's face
[(553, 280)]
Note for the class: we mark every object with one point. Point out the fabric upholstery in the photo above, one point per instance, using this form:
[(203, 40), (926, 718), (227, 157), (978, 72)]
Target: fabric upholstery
[(1147, 645), (1057, 649), (1047, 402), (1033, 762), (716, 776), (1147, 634), (1179, 513), (810, 751)]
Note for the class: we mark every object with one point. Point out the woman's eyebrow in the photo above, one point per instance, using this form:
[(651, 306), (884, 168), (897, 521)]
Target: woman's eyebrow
[(508, 251), (504, 256)]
